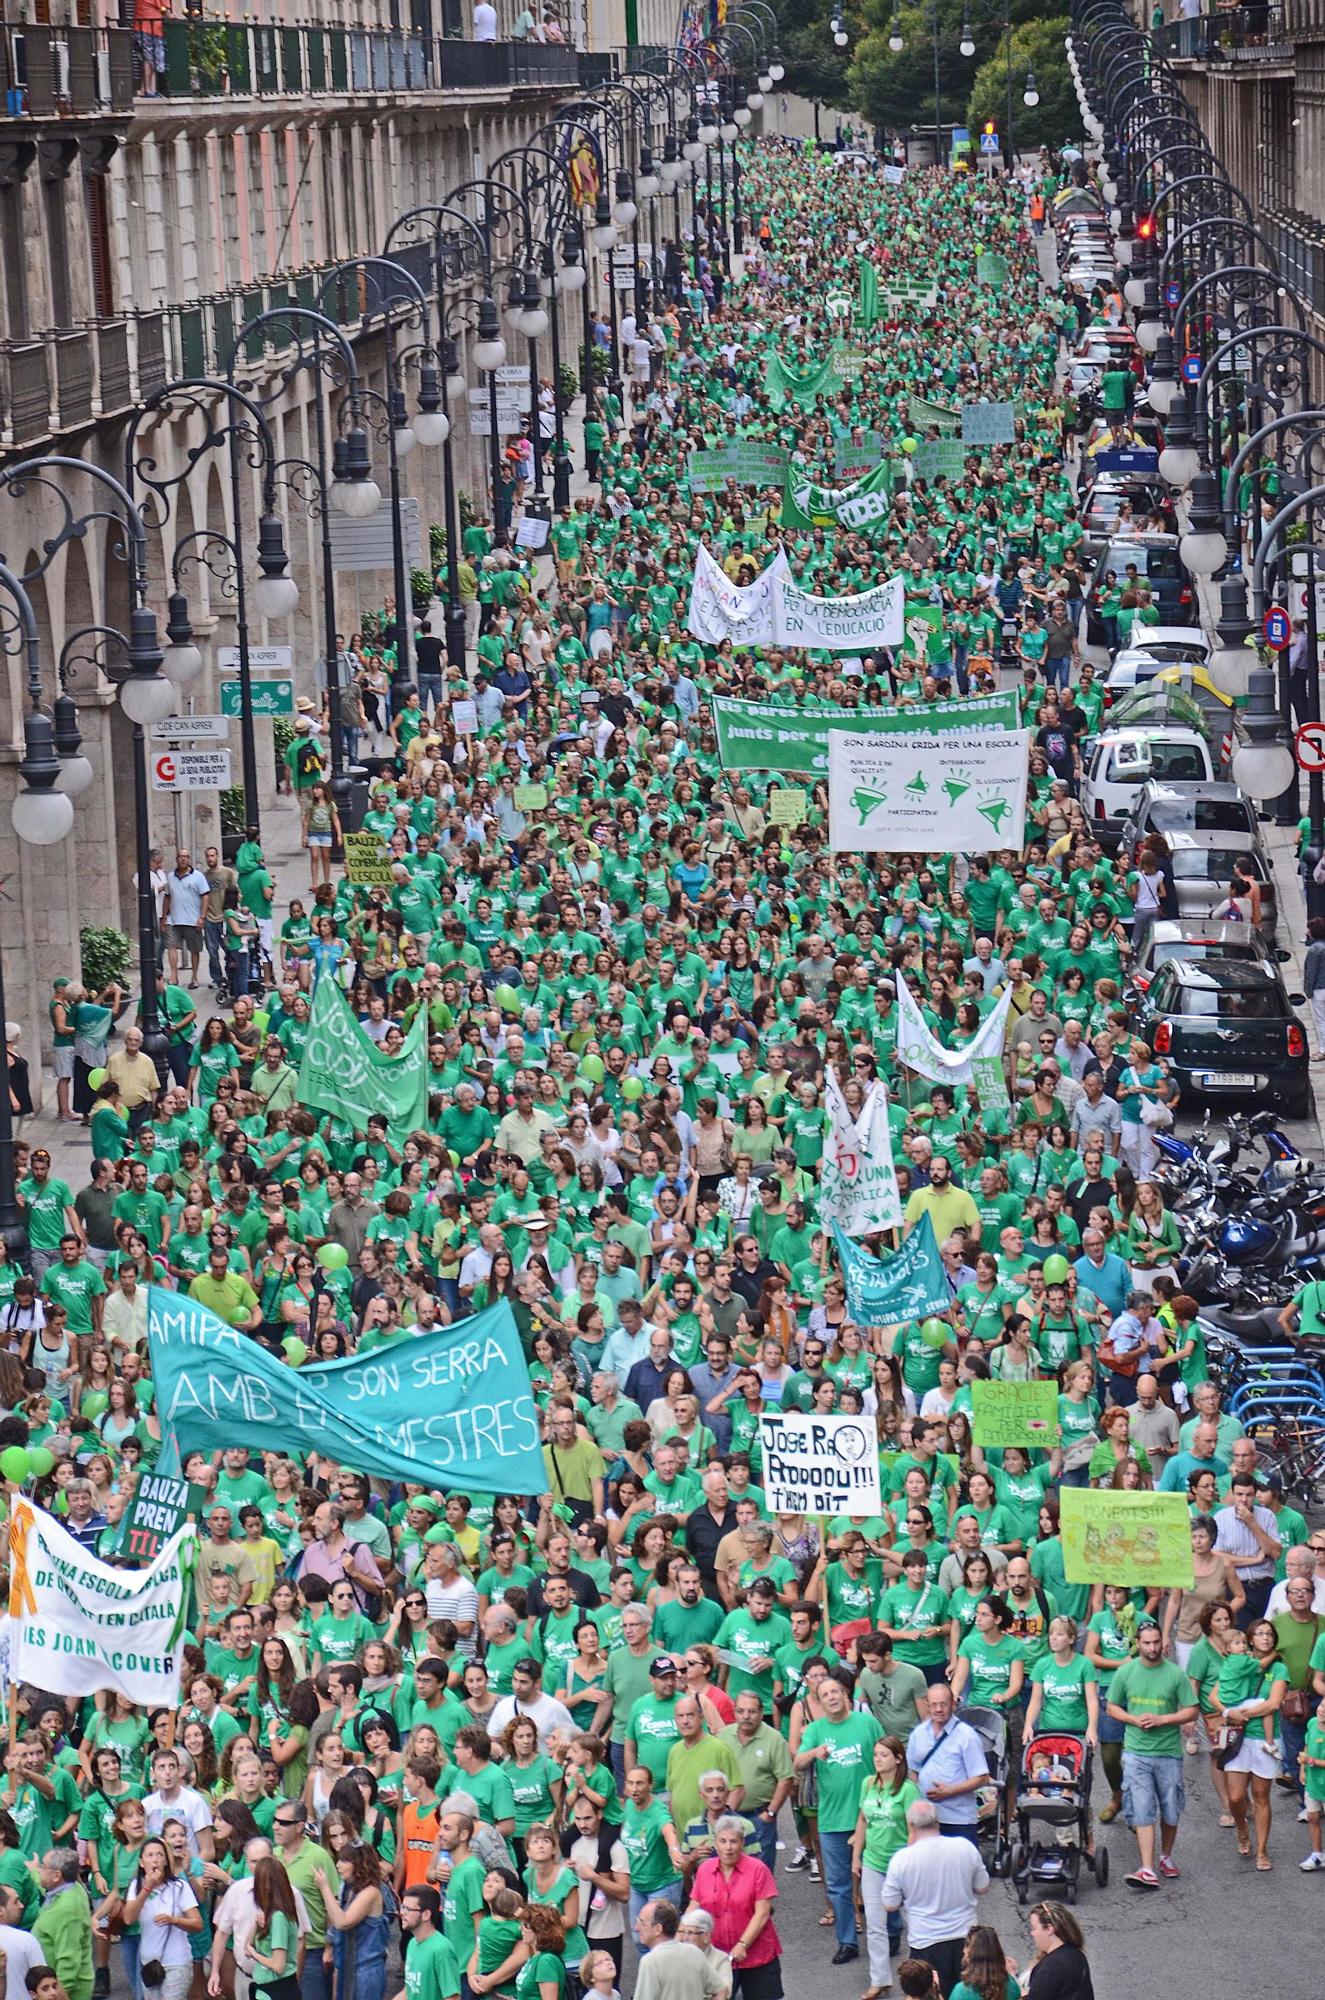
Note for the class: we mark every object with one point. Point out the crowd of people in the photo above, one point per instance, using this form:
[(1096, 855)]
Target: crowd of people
[(511, 1733)]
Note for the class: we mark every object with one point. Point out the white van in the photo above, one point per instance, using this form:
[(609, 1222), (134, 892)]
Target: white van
[(1125, 759)]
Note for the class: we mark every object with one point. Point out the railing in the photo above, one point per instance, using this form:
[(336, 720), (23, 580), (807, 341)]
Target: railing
[(50, 72), (505, 65), (1298, 243), (1229, 34), (217, 59)]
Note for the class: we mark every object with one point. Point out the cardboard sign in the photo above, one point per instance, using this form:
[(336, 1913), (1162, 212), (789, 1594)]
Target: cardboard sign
[(990, 1083), (1018, 1413), (529, 798), (464, 715), (820, 1465), (787, 807), (988, 423), (366, 861), (1138, 1539)]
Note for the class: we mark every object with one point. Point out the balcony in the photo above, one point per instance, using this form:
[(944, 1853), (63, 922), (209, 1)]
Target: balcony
[(58, 383), (1298, 243), (1232, 35), (237, 61), (50, 73)]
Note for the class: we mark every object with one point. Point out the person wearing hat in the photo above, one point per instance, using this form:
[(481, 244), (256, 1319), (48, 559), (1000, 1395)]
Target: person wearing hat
[(306, 762), (652, 1727)]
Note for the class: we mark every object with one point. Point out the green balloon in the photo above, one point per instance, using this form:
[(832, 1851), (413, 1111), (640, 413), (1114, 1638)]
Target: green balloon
[(95, 1404), (333, 1257), (909, 445), (507, 999), (632, 1089), (41, 1460), (935, 1333), (592, 1067), (15, 1464), (1055, 1270), (95, 1078), (294, 1350)]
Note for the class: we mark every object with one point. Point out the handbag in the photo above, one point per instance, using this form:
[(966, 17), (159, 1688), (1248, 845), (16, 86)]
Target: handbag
[(1298, 1705), (152, 1972), (1227, 1744)]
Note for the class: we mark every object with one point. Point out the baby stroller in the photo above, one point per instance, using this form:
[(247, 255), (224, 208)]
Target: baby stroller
[(991, 1800), (1054, 1795)]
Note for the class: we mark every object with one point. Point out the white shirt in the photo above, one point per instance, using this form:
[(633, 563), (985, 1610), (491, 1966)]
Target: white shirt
[(164, 1941), (546, 1712), (184, 897), (1278, 1598), (937, 1881), (485, 21), (21, 1952), (188, 1806), (457, 1601), (1235, 1538)]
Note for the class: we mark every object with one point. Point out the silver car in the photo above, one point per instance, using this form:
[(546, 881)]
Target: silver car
[(1203, 870)]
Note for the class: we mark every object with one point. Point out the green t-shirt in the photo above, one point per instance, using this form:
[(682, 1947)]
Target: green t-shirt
[(652, 1729), (990, 1669), (884, 1812), (431, 1969), (843, 1772), (645, 1842), (1063, 1705), (1157, 1690), (905, 1609), (279, 1935)]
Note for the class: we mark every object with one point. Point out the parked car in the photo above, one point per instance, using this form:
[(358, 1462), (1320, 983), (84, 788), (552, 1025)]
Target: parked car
[(1226, 1028), (1194, 939), (1102, 502), (1181, 645), (1149, 559), (1171, 806), (1203, 870), (1123, 760)]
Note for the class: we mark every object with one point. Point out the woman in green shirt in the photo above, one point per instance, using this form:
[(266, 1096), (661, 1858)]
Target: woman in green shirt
[(276, 1939), (975, 1586), (881, 1832), (990, 1664), (536, 1781), (1064, 1694), (1110, 1642), (543, 1933)]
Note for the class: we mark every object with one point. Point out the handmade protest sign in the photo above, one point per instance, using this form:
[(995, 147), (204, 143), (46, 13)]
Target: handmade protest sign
[(991, 268), (925, 415), (1020, 1413), (775, 736), (345, 1073), (857, 454), (941, 793), (936, 458), (529, 798), (988, 423), (858, 624), (819, 1465), (858, 1188), (79, 1627), (721, 609), (452, 1409), (990, 1083), (161, 1505), (367, 862), (917, 1049), (787, 806), (1137, 1539), (749, 461), (905, 1286)]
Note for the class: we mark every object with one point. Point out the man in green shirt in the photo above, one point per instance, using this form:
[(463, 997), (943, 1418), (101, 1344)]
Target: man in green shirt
[(1152, 1697), (227, 1293), (839, 1747), (78, 1286), (651, 1727), (432, 1971), (755, 1636), (764, 1762), (48, 1210), (144, 1208), (693, 1754)]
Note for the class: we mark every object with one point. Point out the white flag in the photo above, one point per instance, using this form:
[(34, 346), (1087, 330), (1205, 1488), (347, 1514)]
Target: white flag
[(917, 1048), (934, 792), (858, 1188)]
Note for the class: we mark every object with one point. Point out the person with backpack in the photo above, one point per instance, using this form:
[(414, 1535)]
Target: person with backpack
[(306, 761)]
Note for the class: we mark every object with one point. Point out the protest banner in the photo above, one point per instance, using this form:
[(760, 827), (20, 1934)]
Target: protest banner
[(858, 1185), (161, 1505), (79, 1627), (856, 455), (774, 736), (1020, 1413), (749, 461), (988, 423), (918, 1050), (452, 1410), (991, 1087), (819, 1465), (925, 416), (939, 458), (1142, 1540), (464, 717), (345, 1073), (922, 635), (941, 793), (991, 268), (721, 609), (849, 363), (867, 302), (799, 385), (865, 503), (858, 624), (367, 862), (907, 1285), (787, 806)]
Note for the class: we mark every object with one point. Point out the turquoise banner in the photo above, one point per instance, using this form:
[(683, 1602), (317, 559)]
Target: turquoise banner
[(909, 1285), (452, 1410)]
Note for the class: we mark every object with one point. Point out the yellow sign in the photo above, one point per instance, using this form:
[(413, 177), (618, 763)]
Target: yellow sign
[(1136, 1539), (366, 861), (529, 798), (787, 806)]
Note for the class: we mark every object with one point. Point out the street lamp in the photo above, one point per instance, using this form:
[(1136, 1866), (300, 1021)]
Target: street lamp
[(353, 491), (489, 348), (1203, 547), (1179, 462), (1030, 96), (967, 42), (1263, 765), (182, 660), (896, 39)]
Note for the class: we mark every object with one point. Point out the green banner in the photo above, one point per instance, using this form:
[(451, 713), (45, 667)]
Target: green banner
[(991, 269), (798, 386), (926, 416), (849, 363), (864, 504), (749, 461), (1020, 1413), (769, 736), (345, 1073), (1138, 1539), (867, 304)]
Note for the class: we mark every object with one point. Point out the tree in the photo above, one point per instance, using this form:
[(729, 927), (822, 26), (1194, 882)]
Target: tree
[(1036, 46), (895, 90), (815, 66)]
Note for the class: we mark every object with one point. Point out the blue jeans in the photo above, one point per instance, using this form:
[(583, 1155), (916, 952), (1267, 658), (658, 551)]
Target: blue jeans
[(430, 689), (767, 1829), (1056, 671), (668, 1892), (132, 1949), (315, 1980), (1293, 1736), (836, 1850), (214, 933)]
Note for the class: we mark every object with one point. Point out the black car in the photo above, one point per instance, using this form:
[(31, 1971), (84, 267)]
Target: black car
[(1226, 1028)]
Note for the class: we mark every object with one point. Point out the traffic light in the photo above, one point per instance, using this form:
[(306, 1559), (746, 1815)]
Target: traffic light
[(1145, 228), (991, 130)]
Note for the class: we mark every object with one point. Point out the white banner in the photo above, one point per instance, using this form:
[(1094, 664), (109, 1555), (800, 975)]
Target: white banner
[(936, 793), (917, 1048), (721, 609), (80, 1627), (819, 1465), (859, 624), (858, 1186)]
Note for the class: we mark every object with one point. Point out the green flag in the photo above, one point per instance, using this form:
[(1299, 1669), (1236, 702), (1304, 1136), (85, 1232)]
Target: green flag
[(345, 1073), (860, 506), (867, 307), (801, 386)]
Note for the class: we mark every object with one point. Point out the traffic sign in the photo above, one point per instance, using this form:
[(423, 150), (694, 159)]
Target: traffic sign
[(261, 659), (202, 728), (990, 143), (1277, 628), (1172, 293), (1311, 746), (267, 697), (190, 770), (1191, 368)]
